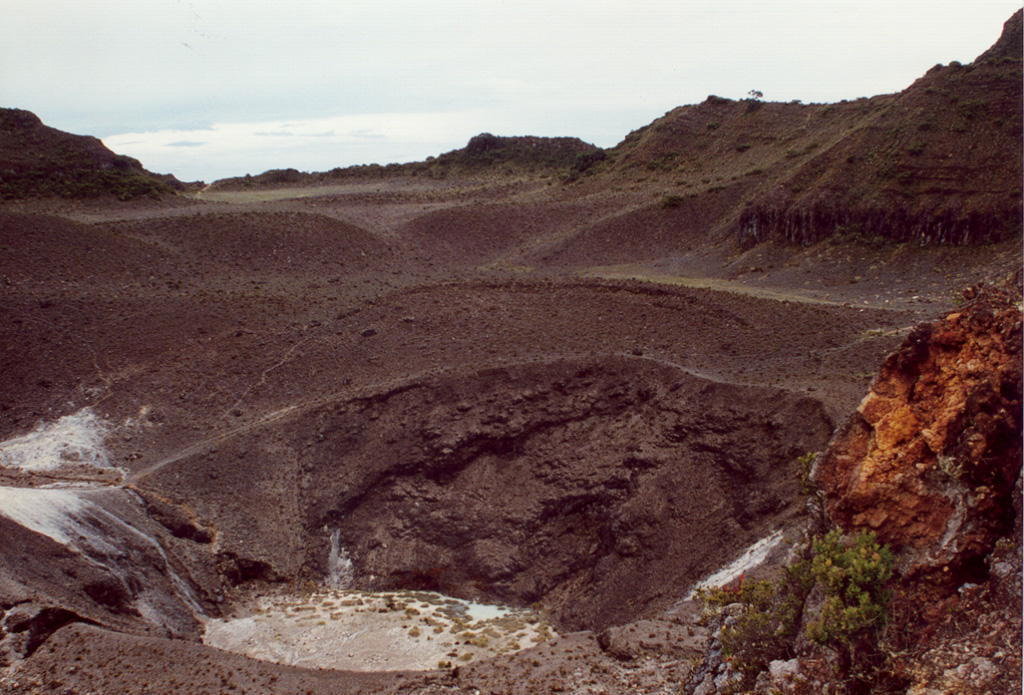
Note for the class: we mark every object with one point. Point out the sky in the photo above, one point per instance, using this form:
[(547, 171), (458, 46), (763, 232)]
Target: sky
[(208, 89)]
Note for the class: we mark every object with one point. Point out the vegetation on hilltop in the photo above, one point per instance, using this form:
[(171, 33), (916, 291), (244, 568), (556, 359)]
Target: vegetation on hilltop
[(939, 162), (483, 154), (39, 161)]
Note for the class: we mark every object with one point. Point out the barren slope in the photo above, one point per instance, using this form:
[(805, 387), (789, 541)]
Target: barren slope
[(582, 395)]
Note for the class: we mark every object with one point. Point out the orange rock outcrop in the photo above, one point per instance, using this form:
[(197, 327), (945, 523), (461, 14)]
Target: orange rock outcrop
[(930, 458)]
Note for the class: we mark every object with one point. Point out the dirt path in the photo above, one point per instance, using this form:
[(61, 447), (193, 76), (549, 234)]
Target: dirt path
[(780, 294), (387, 387)]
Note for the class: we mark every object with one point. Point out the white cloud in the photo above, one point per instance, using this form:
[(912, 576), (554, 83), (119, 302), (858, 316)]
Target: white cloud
[(313, 144), (446, 69)]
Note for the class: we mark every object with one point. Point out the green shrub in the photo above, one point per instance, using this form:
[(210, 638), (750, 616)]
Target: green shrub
[(853, 575), (972, 109), (806, 464), (753, 105), (850, 572), (664, 162), (765, 629), (483, 143), (585, 160)]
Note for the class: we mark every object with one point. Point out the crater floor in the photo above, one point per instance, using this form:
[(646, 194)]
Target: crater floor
[(374, 631)]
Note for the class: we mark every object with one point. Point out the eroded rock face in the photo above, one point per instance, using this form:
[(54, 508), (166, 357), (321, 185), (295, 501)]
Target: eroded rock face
[(596, 489), (929, 459), (602, 489)]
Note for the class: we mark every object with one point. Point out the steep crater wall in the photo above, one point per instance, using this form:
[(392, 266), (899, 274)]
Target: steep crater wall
[(597, 490), (810, 223)]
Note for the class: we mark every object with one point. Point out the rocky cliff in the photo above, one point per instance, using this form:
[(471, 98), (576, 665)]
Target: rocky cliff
[(917, 586), (931, 463), (930, 458), (938, 163)]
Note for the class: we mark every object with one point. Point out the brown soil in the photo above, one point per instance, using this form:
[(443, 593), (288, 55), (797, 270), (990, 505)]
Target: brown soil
[(390, 361), (578, 394)]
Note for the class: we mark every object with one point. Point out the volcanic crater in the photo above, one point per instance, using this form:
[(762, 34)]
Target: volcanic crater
[(599, 489), (291, 405), (572, 391)]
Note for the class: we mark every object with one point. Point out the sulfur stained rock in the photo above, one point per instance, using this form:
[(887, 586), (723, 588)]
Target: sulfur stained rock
[(929, 459)]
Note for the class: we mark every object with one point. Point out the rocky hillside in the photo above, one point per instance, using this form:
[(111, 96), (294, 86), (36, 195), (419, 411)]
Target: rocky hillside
[(571, 390), (530, 153), (939, 162), (931, 463), (911, 581), (39, 161), (484, 154)]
